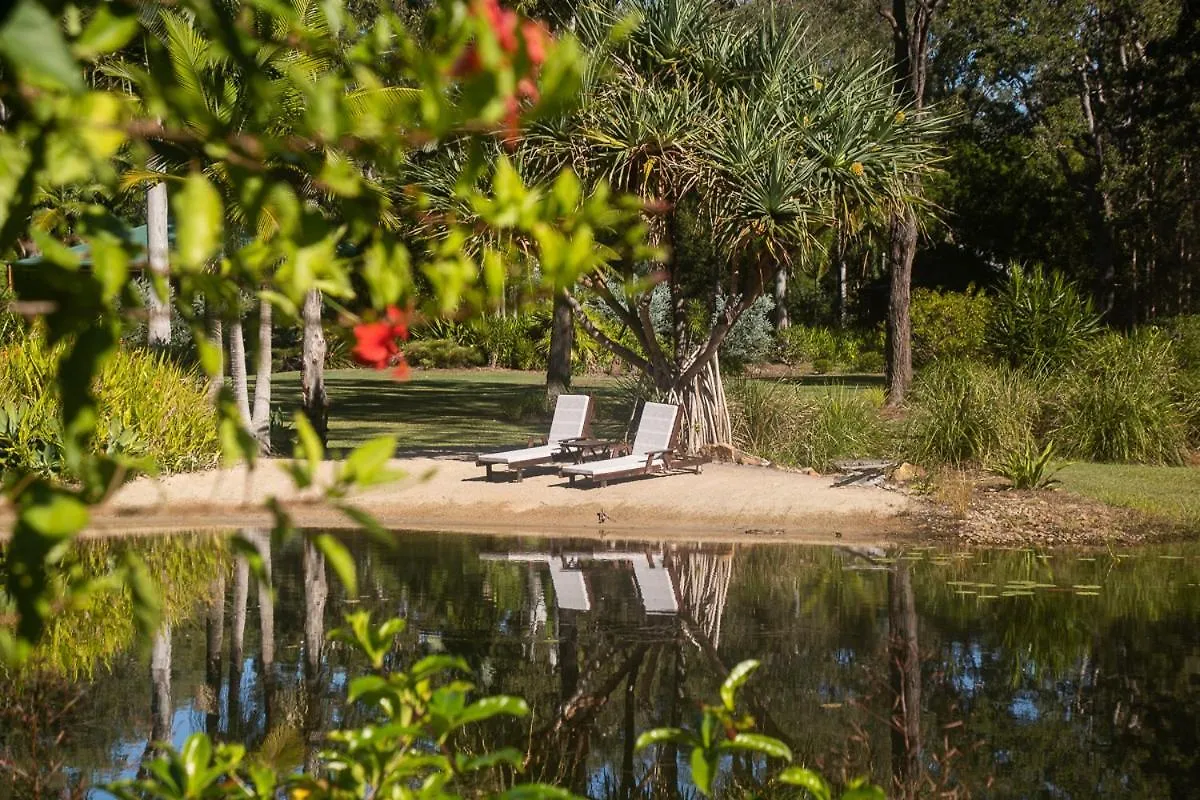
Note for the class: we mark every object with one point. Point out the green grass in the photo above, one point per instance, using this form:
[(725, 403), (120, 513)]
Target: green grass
[(447, 411), (1172, 493)]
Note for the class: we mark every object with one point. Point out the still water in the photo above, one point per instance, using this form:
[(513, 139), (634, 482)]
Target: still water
[(990, 673)]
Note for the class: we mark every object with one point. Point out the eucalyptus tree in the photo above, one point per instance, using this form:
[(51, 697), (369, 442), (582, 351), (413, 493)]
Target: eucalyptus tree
[(730, 125)]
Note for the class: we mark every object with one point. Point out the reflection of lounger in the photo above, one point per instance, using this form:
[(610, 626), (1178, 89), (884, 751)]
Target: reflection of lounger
[(654, 450), (654, 582), (572, 420), (570, 589)]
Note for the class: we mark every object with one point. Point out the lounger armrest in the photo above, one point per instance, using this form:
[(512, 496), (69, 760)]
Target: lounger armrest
[(652, 454)]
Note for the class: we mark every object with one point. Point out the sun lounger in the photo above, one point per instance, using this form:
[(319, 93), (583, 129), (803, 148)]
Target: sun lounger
[(572, 420), (654, 450)]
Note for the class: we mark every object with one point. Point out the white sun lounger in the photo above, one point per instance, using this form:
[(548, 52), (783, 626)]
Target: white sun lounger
[(654, 450), (572, 420)]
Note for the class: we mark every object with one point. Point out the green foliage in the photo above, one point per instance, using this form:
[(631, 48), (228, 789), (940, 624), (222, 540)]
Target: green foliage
[(441, 354), (778, 422), (964, 412), (1117, 404), (949, 324), (151, 408), (1185, 338), (12, 327), (1027, 467), (1040, 320)]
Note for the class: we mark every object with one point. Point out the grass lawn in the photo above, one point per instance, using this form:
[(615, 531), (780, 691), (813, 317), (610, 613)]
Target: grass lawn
[(1169, 492), (440, 411)]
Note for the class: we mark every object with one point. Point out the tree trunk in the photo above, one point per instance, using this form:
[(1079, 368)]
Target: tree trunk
[(216, 335), (905, 670), (260, 418), (158, 330), (840, 272), (782, 320), (312, 380), (237, 369), (562, 339), (705, 410), (899, 326)]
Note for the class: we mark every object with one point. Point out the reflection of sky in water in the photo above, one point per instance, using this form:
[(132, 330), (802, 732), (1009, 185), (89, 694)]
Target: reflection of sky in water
[(825, 653)]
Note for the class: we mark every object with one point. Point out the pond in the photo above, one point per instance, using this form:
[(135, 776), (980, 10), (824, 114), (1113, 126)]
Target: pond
[(1059, 674)]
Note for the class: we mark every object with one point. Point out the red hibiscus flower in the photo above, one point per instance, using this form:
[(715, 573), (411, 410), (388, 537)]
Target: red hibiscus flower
[(376, 343)]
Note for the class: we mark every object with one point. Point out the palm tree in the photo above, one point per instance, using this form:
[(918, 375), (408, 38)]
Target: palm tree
[(726, 122)]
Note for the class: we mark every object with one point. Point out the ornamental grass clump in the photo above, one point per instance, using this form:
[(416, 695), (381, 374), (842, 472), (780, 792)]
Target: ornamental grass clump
[(965, 412), (778, 422), (150, 407), (1118, 404)]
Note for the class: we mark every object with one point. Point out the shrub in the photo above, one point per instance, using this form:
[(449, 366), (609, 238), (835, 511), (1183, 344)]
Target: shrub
[(802, 344), (949, 324), (778, 422), (149, 407), (441, 354), (12, 326), (1116, 403), (1039, 320), (871, 361), (1185, 338), (750, 339), (967, 412), (1028, 467)]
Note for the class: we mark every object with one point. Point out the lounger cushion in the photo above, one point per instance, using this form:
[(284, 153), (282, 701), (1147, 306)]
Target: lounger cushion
[(597, 469), (543, 453), (570, 417), (655, 428)]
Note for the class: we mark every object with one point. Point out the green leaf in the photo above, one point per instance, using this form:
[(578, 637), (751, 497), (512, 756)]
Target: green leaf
[(660, 735), (737, 676), (703, 770), (59, 515), (759, 744), (340, 559), (309, 447), (806, 779), (31, 41), (490, 707), (106, 32), (506, 755), (367, 521), (864, 793), (365, 465), (198, 221)]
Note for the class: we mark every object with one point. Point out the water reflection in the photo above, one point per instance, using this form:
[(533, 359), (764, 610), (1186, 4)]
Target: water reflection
[(999, 674)]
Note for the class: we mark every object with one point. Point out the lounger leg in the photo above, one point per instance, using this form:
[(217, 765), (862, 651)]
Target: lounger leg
[(489, 471), (603, 484), (571, 480), (519, 476)]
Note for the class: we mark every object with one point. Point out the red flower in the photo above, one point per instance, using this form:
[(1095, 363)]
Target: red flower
[(503, 22), (376, 342), (535, 41), (468, 63)]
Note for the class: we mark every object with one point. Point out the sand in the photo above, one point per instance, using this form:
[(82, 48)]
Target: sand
[(725, 502)]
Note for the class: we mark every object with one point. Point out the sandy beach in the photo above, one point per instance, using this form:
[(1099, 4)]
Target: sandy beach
[(725, 502)]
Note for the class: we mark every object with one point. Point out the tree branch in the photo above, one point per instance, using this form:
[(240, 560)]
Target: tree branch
[(618, 349)]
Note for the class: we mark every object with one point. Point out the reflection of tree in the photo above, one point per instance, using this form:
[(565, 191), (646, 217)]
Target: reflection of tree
[(905, 671), (261, 540), (702, 580), (237, 638), (316, 591), (160, 693), (215, 631)]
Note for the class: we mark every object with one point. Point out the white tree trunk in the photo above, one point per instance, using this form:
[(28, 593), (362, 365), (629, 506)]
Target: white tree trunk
[(260, 419), (312, 360), (158, 332), (237, 369), (216, 335), (782, 320)]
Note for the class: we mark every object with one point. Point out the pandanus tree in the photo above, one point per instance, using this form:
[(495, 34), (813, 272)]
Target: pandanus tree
[(728, 123)]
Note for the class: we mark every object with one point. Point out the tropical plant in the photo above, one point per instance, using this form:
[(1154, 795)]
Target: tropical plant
[(1040, 320), (1028, 467)]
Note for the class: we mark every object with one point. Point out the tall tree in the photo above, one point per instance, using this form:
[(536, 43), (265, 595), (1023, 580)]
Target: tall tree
[(910, 22), (314, 399), (562, 340), (158, 329)]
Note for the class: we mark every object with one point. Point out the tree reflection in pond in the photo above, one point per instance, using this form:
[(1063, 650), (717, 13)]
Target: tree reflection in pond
[(1075, 675)]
